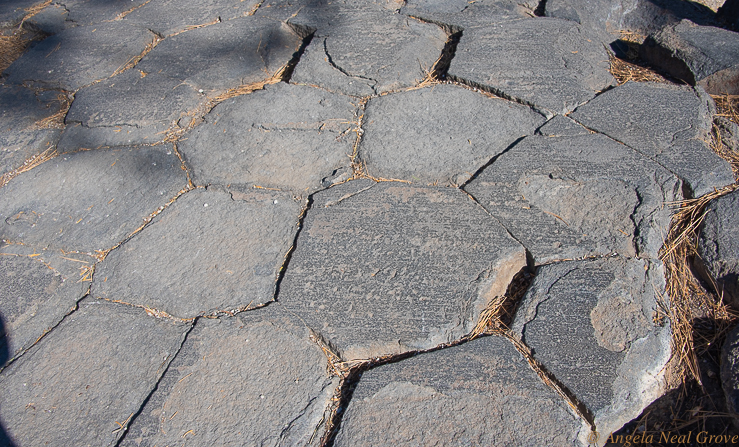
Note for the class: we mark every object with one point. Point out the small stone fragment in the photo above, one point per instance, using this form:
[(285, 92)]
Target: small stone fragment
[(718, 246), (387, 268)]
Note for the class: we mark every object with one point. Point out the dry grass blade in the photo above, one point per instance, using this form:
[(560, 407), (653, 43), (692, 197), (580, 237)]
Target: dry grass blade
[(136, 59), (727, 106), (56, 121), (498, 314), (28, 165), (13, 45), (35, 9), (626, 71)]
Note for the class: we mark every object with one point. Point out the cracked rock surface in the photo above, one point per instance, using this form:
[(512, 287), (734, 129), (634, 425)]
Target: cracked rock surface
[(344, 222)]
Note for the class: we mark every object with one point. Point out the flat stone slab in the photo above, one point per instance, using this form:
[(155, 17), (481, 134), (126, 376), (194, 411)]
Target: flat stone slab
[(91, 200), (462, 13), (79, 56), (561, 126), (210, 251), (375, 50), (83, 382), (480, 393), (171, 16), (551, 63), (285, 136), (667, 123), (384, 268), (590, 323), (702, 55), (569, 197), (87, 12), (441, 134), (718, 245), (256, 379)]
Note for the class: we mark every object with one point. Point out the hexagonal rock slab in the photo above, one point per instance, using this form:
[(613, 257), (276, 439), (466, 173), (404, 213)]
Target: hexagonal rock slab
[(285, 136), (702, 55), (667, 123), (386, 268), (82, 383), (36, 291), (361, 51), (89, 200), (256, 379), (551, 63), (718, 245), (79, 56), (569, 197), (441, 134), (479, 393), (171, 16), (590, 324), (210, 251)]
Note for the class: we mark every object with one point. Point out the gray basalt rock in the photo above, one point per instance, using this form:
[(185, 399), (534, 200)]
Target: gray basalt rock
[(90, 200), (79, 56), (285, 136), (480, 393), (167, 17), (561, 126), (441, 134), (551, 63), (367, 50), (669, 124), (590, 323), (569, 197), (13, 12), (256, 379), (699, 55), (83, 382), (387, 268), (718, 246), (88, 12), (210, 251)]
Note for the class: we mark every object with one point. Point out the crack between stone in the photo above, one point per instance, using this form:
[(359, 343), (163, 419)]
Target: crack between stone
[(500, 94), (285, 431), (291, 250), (344, 72)]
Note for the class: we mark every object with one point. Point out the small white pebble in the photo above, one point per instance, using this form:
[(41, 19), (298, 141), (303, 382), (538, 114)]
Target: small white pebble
[(275, 202), (205, 205), (200, 91)]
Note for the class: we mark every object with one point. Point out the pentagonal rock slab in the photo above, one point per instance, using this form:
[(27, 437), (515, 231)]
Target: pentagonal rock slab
[(171, 16), (89, 200), (551, 63), (79, 56), (285, 136), (718, 245), (385, 268), (441, 134), (83, 382), (590, 323), (479, 393), (668, 123), (375, 49), (252, 380), (210, 251)]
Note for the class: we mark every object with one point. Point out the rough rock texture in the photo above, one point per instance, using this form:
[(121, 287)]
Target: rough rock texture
[(561, 126), (730, 371), (80, 56), (285, 136), (12, 12), (256, 379), (569, 197), (86, 12), (462, 13), (667, 123), (167, 17), (90, 200), (441, 134), (463, 395), (546, 62), (385, 268), (590, 324), (375, 50), (242, 240), (82, 383), (718, 246), (702, 55)]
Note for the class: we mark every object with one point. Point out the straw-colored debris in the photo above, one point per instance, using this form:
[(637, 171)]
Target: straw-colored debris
[(56, 121), (28, 165)]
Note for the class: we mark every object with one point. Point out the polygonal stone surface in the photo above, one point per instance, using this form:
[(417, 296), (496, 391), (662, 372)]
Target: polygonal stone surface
[(79, 56), (82, 383), (702, 55), (441, 134), (551, 63), (385, 268), (590, 324), (569, 197), (480, 393), (252, 380), (90, 200), (86, 12), (718, 245), (285, 136), (379, 49), (36, 291), (463, 13), (667, 123), (210, 251), (170, 16)]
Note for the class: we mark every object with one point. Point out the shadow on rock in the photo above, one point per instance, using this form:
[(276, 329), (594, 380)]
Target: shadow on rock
[(4, 357)]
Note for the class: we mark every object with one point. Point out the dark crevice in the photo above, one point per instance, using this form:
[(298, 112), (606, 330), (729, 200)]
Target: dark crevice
[(156, 385), (441, 67), (305, 33), (499, 93), (289, 254), (491, 161), (541, 9), (331, 62)]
